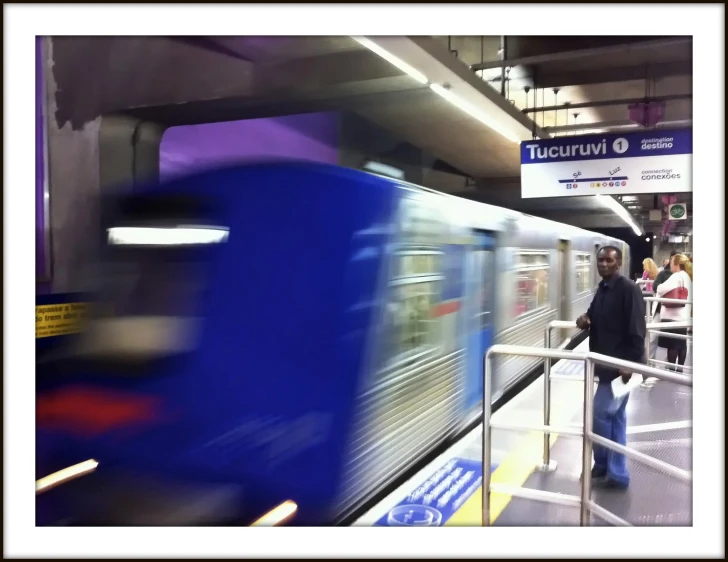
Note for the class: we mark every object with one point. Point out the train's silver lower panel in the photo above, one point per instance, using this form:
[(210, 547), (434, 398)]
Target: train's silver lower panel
[(400, 421), (530, 332)]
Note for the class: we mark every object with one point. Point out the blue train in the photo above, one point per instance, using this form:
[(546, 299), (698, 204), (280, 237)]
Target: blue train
[(290, 331)]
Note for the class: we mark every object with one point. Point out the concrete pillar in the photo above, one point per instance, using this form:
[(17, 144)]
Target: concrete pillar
[(73, 176), (128, 152)]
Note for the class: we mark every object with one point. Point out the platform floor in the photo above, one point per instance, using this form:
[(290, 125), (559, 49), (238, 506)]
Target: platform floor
[(653, 498)]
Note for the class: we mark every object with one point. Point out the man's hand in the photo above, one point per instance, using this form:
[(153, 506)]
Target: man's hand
[(583, 322), (626, 376)]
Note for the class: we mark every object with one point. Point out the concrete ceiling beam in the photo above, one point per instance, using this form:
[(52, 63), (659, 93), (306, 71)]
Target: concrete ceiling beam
[(562, 56)]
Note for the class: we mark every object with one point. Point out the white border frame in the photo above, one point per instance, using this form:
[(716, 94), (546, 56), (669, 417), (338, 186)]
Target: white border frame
[(23, 22)]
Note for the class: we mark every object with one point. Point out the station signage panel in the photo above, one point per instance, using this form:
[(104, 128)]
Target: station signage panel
[(609, 164)]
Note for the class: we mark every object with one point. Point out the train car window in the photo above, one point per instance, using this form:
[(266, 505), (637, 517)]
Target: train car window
[(583, 273), (415, 292), (156, 252), (420, 224), (419, 263), (152, 278), (413, 324), (532, 279), (416, 281)]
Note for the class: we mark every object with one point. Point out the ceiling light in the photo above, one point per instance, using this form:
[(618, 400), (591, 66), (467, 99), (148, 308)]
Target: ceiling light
[(647, 239), (623, 213), (396, 61), (473, 111), (384, 170)]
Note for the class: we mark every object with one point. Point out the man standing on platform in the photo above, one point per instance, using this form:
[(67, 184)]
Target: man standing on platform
[(616, 324)]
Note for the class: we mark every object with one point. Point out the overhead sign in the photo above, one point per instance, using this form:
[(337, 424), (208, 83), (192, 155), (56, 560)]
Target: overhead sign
[(608, 164), (438, 498), (677, 212)]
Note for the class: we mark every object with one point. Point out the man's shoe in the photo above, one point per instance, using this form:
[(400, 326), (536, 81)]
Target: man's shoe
[(615, 484), (598, 478)]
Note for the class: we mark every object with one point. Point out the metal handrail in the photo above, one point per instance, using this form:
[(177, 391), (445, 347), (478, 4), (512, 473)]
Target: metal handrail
[(648, 314), (547, 464), (673, 301), (654, 328), (670, 335), (588, 436), (658, 325), (681, 367)]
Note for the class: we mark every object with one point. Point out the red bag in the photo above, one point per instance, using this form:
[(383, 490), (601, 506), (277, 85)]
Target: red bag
[(679, 293)]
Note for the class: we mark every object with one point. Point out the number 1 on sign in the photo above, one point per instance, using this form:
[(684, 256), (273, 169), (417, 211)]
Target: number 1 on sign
[(620, 145)]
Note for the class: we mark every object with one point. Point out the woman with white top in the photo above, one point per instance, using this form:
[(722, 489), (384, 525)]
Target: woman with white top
[(681, 280)]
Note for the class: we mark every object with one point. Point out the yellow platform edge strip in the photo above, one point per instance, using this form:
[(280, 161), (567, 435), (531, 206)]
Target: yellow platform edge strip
[(513, 471)]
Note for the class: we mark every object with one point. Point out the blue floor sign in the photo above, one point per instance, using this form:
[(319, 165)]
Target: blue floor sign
[(438, 498)]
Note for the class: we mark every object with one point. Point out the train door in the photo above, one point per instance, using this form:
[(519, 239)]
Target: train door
[(626, 260), (481, 277), (564, 288)]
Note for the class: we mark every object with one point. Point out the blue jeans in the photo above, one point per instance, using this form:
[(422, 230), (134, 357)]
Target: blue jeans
[(610, 422)]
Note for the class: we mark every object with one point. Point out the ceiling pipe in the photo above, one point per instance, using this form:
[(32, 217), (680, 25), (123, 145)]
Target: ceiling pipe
[(623, 124), (606, 103), (585, 53), (502, 53)]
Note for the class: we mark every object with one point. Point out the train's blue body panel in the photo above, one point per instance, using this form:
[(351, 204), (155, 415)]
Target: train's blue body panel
[(283, 344)]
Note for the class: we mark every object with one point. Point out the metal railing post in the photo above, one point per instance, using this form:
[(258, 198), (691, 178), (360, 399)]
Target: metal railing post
[(648, 342), (586, 442), (547, 465), (487, 439)]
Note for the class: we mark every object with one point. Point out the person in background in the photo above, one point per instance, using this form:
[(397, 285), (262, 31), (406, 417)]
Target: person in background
[(682, 276), (650, 272), (663, 276), (616, 324)]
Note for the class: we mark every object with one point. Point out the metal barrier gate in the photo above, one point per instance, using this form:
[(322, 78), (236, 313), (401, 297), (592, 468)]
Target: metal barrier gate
[(588, 436)]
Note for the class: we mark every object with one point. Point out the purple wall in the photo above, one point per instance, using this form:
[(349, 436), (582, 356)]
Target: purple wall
[(312, 136), (42, 269)]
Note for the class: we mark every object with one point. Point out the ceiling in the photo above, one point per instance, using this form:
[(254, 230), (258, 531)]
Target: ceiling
[(178, 80)]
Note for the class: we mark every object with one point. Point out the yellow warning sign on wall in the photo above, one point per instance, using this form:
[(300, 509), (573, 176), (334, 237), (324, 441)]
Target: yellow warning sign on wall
[(59, 319)]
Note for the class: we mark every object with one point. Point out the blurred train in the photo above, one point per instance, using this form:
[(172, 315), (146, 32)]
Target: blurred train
[(298, 332)]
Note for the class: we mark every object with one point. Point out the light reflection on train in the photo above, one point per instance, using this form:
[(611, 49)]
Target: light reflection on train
[(292, 332)]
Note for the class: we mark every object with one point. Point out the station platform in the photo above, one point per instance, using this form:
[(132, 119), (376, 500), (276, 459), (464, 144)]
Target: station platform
[(448, 491)]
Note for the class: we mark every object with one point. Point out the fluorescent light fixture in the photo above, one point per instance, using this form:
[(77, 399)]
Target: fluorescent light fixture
[(277, 515), (473, 111), (65, 475), (384, 170), (623, 213), (396, 61), (172, 236)]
